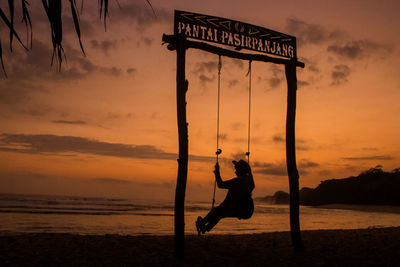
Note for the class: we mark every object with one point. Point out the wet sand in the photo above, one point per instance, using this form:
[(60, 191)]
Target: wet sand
[(361, 247)]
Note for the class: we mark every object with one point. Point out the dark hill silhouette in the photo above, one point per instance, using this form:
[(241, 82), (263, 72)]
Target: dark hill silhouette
[(371, 187)]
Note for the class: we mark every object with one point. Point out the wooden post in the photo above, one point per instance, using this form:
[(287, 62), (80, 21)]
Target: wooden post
[(181, 88), (290, 71)]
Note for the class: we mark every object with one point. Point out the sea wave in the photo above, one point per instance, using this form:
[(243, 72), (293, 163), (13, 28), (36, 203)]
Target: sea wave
[(67, 212), (21, 213), (104, 206)]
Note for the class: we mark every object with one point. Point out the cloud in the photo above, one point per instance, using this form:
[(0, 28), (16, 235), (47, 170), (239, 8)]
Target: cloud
[(350, 50), (236, 156), (204, 70), (313, 68), (110, 181), (223, 137), (104, 46), (254, 140), (233, 82), (325, 173), (44, 144), (302, 83), (306, 163), (311, 65), (69, 122), (35, 66), (358, 49), (300, 143), (18, 91), (278, 169), (87, 68), (142, 14), (340, 74), (308, 33), (278, 138), (302, 147), (35, 110), (376, 157), (28, 182), (238, 126), (274, 82), (276, 79), (205, 79), (238, 62), (206, 66), (20, 98), (31, 64), (370, 148), (146, 41), (112, 71), (131, 71), (87, 22)]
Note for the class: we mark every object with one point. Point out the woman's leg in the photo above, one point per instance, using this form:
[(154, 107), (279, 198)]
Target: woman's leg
[(209, 221), (215, 215), (212, 218)]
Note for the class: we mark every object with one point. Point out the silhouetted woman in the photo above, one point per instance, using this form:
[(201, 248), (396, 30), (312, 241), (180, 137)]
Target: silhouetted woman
[(238, 202)]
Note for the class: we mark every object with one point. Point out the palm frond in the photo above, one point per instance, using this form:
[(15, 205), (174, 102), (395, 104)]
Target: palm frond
[(1, 60), (103, 11), (119, 5), (11, 27), (82, 7), (53, 10), (10, 24), (11, 9), (26, 18), (75, 17), (148, 2)]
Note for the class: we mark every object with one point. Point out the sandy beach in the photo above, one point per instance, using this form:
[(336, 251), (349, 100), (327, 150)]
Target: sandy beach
[(361, 247)]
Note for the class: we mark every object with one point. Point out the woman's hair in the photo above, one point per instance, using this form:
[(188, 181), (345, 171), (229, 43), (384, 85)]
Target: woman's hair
[(242, 167)]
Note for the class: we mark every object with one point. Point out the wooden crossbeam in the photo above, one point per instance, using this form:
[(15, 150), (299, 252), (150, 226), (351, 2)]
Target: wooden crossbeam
[(171, 40)]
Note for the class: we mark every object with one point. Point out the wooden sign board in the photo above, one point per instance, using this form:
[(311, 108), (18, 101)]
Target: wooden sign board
[(234, 33)]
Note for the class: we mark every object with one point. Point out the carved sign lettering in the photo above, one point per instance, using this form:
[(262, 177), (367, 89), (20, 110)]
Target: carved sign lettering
[(234, 33)]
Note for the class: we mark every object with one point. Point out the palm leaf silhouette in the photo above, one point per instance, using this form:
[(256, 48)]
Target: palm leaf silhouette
[(26, 18), (53, 9)]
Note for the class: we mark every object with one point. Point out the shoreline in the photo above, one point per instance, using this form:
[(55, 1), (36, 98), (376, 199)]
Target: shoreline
[(357, 247), (364, 208)]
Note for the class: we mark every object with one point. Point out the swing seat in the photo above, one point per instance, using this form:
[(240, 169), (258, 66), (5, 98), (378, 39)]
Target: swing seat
[(246, 209)]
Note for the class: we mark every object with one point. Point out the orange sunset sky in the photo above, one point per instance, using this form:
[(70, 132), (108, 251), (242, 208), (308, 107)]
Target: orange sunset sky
[(106, 124)]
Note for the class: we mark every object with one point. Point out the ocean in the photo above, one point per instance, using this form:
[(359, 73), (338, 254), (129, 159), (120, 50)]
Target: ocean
[(87, 215)]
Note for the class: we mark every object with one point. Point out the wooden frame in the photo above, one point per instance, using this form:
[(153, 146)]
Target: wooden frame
[(181, 44)]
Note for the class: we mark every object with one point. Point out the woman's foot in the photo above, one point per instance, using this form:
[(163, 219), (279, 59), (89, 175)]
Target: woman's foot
[(200, 229)]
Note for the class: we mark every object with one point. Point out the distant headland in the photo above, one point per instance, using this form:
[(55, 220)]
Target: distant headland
[(371, 187)]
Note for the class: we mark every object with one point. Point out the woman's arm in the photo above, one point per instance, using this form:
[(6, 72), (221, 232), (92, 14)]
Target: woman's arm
[(220, 183)]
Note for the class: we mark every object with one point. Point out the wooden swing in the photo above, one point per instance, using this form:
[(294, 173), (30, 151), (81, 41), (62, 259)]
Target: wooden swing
[(269, 46)]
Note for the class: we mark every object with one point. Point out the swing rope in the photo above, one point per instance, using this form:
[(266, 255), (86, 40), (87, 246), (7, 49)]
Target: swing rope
[(248, 128), (219, 151)]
